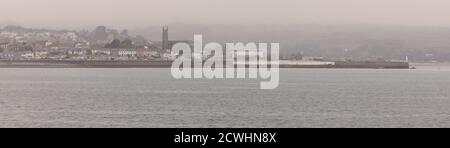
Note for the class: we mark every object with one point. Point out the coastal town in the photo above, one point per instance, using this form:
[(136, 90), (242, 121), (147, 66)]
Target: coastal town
[(105, 47), (19, 43)]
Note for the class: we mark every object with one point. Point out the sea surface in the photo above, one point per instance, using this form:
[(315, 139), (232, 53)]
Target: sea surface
[(152, 98)]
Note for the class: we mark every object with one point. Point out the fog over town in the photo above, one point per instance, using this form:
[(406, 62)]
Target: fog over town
[(345, 29)]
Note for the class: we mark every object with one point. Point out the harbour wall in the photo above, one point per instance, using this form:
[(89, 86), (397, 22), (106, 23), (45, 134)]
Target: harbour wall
[(168, 64)]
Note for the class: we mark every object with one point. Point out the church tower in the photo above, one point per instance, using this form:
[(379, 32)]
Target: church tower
[(165, 38)]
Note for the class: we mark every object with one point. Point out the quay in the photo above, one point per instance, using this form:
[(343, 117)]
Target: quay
[(168, 64)]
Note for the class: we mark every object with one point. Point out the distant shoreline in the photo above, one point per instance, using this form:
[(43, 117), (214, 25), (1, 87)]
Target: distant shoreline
[(430, 64), (168, 64)]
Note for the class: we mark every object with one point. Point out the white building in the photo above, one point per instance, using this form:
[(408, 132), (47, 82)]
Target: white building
[(40, 54), (104, 52), (76, 52), (127, 53), (28, 55)]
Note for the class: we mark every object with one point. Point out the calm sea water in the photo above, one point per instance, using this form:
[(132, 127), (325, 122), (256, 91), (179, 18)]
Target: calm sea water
[(151, 98)]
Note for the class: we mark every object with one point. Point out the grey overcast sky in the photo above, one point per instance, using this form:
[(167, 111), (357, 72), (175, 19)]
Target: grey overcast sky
[(140, 13)]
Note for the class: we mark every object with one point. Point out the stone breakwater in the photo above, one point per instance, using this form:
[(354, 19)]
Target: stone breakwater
[(168, 64)]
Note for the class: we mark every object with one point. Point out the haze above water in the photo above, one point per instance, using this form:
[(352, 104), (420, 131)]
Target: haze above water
[(151, 98), (142, 13)]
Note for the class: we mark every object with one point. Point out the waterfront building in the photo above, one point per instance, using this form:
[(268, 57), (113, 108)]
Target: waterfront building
[(76, 52), (101, 52), (40, 54), (127, 53), (4, 45), (145, 52), (28, 55)]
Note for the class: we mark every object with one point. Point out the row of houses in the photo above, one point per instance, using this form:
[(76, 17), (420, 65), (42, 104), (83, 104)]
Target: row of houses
[(113, 52), (83, 54)]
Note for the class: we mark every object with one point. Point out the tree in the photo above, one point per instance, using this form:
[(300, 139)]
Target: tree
[(126, 44), (28, 48), (118, 44), (114, 44)]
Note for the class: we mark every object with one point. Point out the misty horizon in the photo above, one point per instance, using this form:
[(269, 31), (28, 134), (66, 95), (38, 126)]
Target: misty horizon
[(83, 14), (386, 28)]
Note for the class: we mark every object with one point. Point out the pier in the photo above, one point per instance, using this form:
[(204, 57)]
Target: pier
[(168, 64)]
